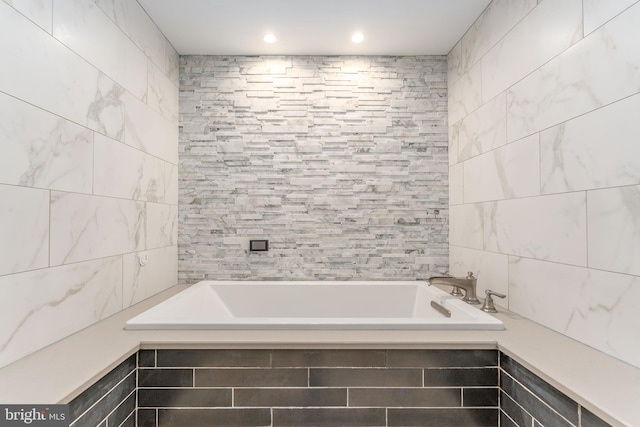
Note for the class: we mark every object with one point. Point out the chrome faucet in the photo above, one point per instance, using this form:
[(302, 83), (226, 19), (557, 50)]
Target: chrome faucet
[(468, 284)]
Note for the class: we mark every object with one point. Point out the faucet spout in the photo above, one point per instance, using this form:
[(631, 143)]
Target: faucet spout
[(468, 284)]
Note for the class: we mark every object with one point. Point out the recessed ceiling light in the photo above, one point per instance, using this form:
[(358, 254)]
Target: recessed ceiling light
[(357, 38), (270, 38)]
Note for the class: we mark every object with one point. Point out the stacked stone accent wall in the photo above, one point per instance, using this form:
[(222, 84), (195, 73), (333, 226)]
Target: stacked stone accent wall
[(340, 162)]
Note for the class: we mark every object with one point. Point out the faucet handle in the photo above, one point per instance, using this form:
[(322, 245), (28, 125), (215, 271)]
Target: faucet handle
[(470, 275), (488, 305)]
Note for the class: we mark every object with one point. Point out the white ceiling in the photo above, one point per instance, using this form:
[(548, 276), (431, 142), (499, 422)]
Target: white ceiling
[(314, 27)]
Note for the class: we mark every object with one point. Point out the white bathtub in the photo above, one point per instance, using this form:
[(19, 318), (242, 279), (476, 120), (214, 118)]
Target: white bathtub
[(312, 305)]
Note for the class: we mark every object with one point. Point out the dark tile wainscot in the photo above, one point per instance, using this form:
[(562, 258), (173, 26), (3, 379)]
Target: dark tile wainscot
[(163, 388)]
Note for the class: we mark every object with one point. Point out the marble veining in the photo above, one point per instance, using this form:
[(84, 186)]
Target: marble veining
[(125, 172), (47, 305), (132, 19), (141, 282), (574, 157), (24, 228), (579, 80), (88, 227), (573, 300), (547, 227), (42, 150), (84, 28), (547, 30), (614, 229)]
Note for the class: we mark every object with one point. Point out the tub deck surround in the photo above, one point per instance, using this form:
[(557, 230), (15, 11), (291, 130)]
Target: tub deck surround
[(605, 386), (356, 305)]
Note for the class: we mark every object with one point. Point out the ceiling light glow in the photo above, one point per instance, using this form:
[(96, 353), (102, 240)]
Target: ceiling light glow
[(270, 38), (357, 38)]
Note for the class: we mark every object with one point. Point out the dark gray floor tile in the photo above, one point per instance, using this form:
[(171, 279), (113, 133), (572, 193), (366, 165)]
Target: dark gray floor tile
[(146, 417), (328, 358), (214, 417), (365, 377), (553, 397), (147, 359), (331, 417), (101, 387), (518, 415), (588, 419), (531, 403), (480, 396), (404, 397), (460, 377), (442, 358), (443, 417), (276, 377), (183, 397), (290, 397), (214, 358), (165, 377)]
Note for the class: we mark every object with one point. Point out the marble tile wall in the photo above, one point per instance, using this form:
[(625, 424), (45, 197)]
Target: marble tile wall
[(340, 162), (545, 164), (88, 166)]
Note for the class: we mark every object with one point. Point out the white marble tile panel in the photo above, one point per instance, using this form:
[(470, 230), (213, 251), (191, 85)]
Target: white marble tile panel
[(40, 307), (595, 307), (504, 173), (598, 12), (173, 63), (614, 229), (132, 19), (484, 129), (548, 30), (162, 94), (596, 150), (456, 184), (453, 143), (547, 227), (454, 64), (600, 69), (162, 225), (490, 268), (125, 172), (84, 28), (159, 273), (89, 227), (44, 72), (465, 95), (170, 184), (39, 11), (465, 225), (494, 23), (147, 130), (40, 149), (24, 229)]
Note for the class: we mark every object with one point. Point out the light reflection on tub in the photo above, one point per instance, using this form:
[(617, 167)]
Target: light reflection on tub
[(312, 305)]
